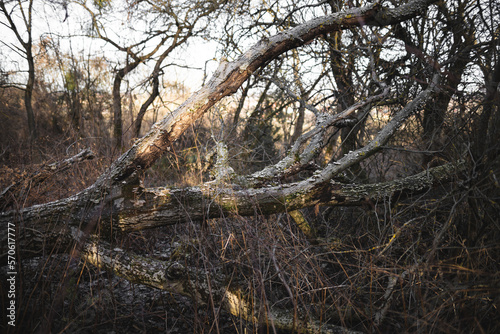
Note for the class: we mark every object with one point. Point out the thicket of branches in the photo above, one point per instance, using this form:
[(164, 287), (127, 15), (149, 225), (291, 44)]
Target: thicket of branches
[(337, 172)]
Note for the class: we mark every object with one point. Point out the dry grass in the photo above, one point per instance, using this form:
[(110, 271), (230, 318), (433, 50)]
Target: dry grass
[(422, 264)]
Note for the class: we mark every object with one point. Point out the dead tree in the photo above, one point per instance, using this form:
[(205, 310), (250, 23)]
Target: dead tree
[(118, 203)]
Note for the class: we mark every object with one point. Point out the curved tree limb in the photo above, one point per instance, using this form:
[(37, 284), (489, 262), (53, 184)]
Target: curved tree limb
[(230, 76), (173, 276), (117, 202), (155, 207), (120, 178)]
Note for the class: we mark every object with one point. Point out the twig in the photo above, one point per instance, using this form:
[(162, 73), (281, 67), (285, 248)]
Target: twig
[(9, 194)]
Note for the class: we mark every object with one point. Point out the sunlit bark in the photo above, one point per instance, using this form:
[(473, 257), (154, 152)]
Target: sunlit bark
[(117, 202)]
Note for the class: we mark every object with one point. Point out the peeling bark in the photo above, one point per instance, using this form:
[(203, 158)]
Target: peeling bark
[(44, 226), (230, 76), (194, 283), (117, 202), (120, 178)]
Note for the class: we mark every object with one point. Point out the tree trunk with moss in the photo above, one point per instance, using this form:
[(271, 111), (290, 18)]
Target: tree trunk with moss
[(117, 203)]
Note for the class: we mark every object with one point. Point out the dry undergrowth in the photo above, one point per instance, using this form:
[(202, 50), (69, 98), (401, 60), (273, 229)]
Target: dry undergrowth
[(423, 264)]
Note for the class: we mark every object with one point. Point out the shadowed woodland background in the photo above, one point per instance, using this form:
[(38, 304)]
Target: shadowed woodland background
[(417, 259)]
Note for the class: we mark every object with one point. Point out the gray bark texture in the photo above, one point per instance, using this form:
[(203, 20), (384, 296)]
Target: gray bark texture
[(118, 203)]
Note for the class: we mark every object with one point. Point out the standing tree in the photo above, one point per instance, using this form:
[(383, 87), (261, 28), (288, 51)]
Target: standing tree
[(164, 25), (12, 10)]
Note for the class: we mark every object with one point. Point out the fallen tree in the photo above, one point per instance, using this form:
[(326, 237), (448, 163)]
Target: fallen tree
[(117, 203)]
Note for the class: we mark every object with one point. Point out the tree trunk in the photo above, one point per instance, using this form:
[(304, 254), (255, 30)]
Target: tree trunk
[(117, 108), (27, 46), (117, 102), (117, 203), (106, 195), (28, 93), (145, 208)]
